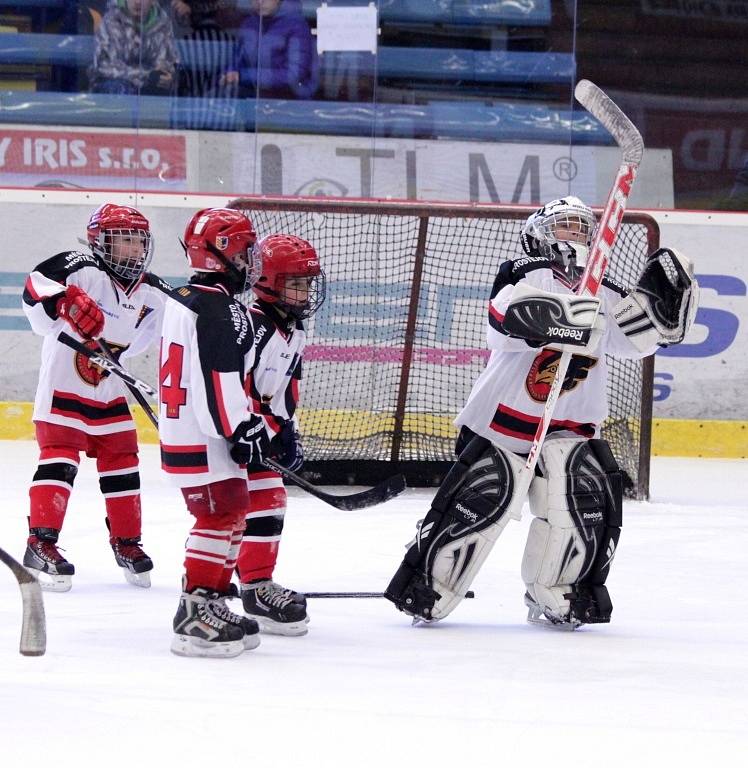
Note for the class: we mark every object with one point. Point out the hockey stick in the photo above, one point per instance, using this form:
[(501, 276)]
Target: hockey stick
[(630, 141), (33, 625), (359, 595), (378, 494), (110, 365)]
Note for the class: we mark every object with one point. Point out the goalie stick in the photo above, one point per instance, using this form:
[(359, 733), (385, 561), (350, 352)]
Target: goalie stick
[(378, 494), (33, 625), (628, 138)]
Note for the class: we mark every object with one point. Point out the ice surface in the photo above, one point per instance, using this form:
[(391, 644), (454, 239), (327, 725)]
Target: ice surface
[(664, 684)]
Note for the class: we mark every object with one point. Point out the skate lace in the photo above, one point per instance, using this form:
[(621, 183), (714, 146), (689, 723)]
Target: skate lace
[(219, 608), (129, 549), (207, 616), (275, 595), (48, 551)]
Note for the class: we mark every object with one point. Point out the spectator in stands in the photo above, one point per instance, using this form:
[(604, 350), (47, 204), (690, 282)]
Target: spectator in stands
[(276, 57), (212, 49), (135, 50), (209, 54)]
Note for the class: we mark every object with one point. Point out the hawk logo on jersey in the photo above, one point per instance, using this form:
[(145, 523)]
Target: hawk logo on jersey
[(90, 372), (543, 371), (144, 312)]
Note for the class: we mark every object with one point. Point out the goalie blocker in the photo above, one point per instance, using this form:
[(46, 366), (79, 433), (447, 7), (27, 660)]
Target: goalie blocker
[(577, 504)]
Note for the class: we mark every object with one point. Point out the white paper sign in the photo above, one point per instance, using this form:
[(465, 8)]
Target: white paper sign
[(347, 28)]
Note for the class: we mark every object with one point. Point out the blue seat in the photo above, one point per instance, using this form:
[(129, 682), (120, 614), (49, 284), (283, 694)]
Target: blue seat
[(430, 64)]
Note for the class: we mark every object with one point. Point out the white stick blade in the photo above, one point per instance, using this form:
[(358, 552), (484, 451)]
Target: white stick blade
[(34, 626), (601, 106)]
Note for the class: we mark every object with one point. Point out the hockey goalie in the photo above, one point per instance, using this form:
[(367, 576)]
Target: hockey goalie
[(575, 496)]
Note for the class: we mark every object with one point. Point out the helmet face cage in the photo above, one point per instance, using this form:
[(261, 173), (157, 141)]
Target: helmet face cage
[(301, 295), (562, 231), (285, 272), (126, 252)]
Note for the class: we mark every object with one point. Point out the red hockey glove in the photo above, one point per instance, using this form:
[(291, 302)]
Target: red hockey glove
[(81, 311)]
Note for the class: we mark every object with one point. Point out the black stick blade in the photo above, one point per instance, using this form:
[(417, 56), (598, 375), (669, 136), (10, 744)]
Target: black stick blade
[(378, 494)]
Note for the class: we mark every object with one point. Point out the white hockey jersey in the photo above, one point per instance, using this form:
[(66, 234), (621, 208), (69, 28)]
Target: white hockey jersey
[(219, 363), (72, 391), (508, 398)]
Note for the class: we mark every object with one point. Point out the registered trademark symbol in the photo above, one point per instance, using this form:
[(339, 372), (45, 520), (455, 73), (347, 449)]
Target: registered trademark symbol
[(564, 169)]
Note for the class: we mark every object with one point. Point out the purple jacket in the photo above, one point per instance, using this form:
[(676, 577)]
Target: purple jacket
[(286, 65)]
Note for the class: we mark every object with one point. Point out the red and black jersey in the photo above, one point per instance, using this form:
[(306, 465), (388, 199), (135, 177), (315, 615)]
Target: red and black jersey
[(71, 390), (206, 352)]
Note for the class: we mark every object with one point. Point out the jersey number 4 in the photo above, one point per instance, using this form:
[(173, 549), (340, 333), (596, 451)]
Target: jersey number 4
[(172, 395)]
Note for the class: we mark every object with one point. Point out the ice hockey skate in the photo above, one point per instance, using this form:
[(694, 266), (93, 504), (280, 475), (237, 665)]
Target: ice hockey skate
[(219, 607), (274, 608), (43, 559), (199, 632), (135, 564), (545, 618)]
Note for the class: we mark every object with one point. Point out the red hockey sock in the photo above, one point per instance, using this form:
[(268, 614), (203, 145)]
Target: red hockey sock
[(51, 487)]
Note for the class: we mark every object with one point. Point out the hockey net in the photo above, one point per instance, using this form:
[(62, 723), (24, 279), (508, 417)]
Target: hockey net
[(393, 352)]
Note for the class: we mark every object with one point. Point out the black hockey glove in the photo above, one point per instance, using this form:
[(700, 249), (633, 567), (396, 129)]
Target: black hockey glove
[(286, 447), (250, 444)]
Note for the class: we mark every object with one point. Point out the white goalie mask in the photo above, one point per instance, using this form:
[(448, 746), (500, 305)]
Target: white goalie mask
[(561, 230)]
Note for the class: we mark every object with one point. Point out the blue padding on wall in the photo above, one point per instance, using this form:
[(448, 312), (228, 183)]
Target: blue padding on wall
[(460, 120)]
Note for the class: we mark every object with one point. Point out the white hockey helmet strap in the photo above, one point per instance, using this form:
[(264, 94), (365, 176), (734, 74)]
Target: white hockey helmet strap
[(561, 230)]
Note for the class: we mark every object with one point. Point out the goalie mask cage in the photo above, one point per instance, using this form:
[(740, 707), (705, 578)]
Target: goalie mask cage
[(393, 352)]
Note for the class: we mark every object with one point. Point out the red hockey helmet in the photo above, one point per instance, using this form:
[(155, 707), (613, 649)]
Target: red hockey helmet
[(220, 240), (286, 272), (121, 237)]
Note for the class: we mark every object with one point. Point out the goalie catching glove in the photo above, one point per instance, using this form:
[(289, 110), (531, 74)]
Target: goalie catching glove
[(565, 320), (661, 309)]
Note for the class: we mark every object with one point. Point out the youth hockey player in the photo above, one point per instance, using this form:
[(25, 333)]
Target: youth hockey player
[(106, 293), (289, 287), (575, 498), (208, 434)]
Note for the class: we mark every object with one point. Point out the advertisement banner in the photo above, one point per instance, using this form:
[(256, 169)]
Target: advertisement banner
[(460, 171), (113, 160)]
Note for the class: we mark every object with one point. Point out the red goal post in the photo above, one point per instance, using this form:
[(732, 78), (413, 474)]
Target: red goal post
[(393, 352)]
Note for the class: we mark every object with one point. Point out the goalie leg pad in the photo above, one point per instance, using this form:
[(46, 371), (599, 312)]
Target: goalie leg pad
[(577, 504), (466, 517)]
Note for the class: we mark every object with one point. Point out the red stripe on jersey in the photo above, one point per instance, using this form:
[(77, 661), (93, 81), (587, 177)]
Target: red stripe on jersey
[(495, 313), (30, 288), (184, 448), (225, 425), (92, 403), (184, 470), (86, 420), (523, 426), (295, 390), (90, 412)]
